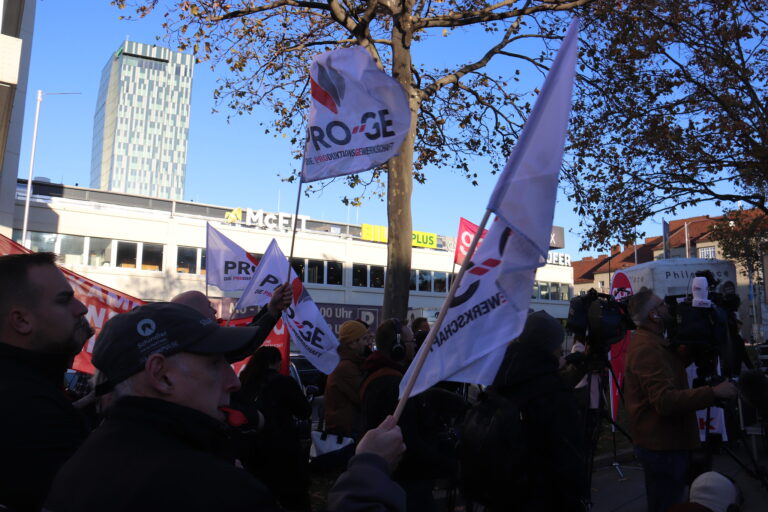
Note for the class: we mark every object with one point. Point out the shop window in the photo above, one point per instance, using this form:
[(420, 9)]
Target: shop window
[(359, 275), (544, 291), (335, 272), (298, 267), (412, 285), (126, 254), (71, 252), (152, 257), (315, 271), (377, 276), (554, 291), (100, 252), (186, 260), (425, 281), (41, 242), (440, 282)]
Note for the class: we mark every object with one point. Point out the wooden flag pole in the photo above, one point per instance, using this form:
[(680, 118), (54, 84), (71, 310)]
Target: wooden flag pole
[(424, 351)]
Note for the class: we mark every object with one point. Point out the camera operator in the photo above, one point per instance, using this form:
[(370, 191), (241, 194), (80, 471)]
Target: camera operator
[(662, 410)]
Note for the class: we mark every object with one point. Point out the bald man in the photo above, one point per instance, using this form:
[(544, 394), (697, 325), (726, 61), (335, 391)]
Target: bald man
[(197, 301)]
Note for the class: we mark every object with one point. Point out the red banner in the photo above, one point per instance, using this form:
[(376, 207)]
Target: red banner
[(102, 302), (620, 288), (278, 338), (467, 232)]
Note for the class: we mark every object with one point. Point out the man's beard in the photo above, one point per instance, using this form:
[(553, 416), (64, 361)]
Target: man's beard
[(82, 332)]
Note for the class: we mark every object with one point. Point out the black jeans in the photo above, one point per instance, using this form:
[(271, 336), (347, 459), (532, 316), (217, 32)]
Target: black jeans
[(666, 477)]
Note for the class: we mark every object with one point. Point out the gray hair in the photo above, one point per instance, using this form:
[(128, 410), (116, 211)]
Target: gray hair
[(641, 304)]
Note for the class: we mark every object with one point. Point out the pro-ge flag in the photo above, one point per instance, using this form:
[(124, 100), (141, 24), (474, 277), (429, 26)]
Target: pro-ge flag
[(308, 328), (481, 319), (229, 266), (358, 117)]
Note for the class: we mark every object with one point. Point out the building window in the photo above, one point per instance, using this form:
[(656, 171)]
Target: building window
[(334, 272), (186, 260), (554, 291), (440, 282), (315, 271), (377, 276), (412, 285), (71, 249), (152, 257), (425, 281), (41, 242), (535, 291), (100, 252), (544, 291), (359, 275), (298, 267), (126, 254), (707, 252), (202, 261), (565, 291)]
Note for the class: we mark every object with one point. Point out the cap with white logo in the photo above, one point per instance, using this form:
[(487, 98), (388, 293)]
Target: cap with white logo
[(127, 340)]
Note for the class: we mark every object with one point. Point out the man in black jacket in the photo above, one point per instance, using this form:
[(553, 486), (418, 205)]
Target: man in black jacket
[(42, 327), (164, 444)]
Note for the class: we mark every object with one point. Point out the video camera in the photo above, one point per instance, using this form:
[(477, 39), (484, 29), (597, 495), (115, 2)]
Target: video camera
[(599, 319)]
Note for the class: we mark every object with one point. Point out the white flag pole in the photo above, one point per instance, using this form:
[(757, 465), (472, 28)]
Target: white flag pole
[(424, 351)]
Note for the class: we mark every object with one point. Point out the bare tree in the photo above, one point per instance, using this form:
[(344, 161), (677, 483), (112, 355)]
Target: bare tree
[(462, 116)]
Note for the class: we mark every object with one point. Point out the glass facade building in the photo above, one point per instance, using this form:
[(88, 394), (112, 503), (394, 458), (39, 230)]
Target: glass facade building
[(141, 124)]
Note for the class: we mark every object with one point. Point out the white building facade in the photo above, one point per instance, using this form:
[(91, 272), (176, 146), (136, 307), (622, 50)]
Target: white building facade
[(153, 249), (141, 123)]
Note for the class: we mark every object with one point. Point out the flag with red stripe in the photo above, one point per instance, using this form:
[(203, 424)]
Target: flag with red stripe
[(229, 266)]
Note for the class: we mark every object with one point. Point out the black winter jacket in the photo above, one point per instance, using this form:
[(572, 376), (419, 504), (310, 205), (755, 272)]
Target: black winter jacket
[(39, 427), (552, 426)]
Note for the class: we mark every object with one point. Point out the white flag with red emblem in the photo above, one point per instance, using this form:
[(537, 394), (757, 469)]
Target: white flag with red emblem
[(309, 330), (358, 116), (490, 307), (229, 266)]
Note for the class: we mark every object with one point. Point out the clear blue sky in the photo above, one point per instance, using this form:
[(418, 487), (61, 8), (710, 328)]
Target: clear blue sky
[(228, 163)]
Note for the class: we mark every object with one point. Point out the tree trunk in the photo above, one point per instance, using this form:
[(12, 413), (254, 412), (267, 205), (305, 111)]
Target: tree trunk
[(400, 180)]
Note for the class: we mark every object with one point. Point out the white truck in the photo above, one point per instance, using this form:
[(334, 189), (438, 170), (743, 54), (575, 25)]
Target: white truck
[(672, 276)]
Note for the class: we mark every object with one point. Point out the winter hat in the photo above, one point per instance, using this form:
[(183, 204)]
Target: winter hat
[(714, 491), (351, 331), (543, 331)]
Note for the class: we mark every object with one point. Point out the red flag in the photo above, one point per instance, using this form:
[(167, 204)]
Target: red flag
[(467, 232), (102, 302), (278, 338)]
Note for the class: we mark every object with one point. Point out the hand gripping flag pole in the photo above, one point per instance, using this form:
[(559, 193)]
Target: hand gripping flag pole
[(424, 351)]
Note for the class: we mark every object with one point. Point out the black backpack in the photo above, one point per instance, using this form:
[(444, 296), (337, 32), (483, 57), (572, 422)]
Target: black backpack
[(493, 449)]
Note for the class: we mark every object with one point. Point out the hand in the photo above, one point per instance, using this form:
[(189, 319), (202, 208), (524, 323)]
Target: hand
[(725, 390), (386, 441), (281, 299)]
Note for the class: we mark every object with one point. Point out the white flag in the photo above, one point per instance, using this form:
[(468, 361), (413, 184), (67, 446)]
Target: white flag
[(309, 330), (482, 320), (229, 266), (358, 116)]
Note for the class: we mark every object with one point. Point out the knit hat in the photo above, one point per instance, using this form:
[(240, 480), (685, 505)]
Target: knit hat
[(351, 331), (714, 491), (543, 331)]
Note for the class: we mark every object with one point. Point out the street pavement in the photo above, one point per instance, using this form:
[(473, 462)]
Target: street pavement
[(612, 493)]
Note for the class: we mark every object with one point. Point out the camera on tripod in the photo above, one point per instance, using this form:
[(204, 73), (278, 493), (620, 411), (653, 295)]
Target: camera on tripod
[(599, 320)]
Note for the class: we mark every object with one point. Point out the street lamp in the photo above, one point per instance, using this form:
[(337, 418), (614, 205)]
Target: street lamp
[(32, 161)]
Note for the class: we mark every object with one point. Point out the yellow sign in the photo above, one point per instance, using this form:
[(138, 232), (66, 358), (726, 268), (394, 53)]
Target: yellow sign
[(379, 234), (233, 216), (422, 239)]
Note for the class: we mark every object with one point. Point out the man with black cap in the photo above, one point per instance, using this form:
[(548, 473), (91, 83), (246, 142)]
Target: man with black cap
[(164, 445), (553, 453)]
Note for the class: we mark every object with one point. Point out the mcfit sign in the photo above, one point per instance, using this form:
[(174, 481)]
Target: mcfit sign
[(379, 234)]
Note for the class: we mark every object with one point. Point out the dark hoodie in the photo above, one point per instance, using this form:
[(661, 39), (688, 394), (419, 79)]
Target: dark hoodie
[(39, 427), (551, 425)]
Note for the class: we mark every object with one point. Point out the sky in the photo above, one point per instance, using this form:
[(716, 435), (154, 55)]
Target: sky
[(229, 162)]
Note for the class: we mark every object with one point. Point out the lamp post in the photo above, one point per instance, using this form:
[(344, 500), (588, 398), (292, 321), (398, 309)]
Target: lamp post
[(40, 95)]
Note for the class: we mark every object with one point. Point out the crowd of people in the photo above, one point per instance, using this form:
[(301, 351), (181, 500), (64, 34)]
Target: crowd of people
[(168, 425)]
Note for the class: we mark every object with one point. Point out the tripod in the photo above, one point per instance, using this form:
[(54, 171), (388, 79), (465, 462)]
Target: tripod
[(595, 412)]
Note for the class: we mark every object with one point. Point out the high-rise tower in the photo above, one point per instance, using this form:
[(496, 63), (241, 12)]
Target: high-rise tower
[(141, 123)]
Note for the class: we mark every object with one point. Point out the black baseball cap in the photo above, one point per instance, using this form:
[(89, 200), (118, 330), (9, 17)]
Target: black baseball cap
[(127, 340)]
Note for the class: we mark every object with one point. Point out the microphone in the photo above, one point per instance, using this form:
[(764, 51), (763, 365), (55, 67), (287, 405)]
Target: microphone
[(753, 386)]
